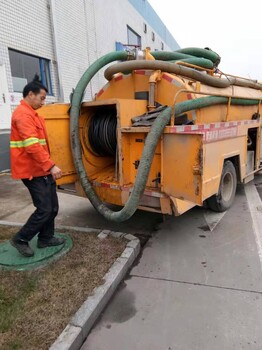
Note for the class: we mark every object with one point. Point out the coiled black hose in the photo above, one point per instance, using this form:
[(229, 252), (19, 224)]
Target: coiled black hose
[(102, 133)]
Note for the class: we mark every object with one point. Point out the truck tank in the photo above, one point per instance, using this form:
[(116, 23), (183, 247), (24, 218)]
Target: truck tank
[(143, 141)]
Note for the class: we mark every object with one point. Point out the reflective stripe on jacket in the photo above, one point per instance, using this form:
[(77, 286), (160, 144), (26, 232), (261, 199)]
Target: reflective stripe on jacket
[(27, 142), (30, 156)]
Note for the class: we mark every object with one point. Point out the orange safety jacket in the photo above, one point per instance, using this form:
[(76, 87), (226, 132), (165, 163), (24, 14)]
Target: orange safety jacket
[(30, 156)]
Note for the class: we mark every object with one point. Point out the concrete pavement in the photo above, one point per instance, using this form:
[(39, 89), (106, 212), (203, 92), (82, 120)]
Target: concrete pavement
[(16, 205), (192, 289)]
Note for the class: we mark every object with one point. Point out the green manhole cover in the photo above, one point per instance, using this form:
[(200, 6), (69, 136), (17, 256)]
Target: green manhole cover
[(11, 259)]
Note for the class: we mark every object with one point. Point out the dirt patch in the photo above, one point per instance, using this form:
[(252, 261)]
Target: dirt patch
[(36, 306)]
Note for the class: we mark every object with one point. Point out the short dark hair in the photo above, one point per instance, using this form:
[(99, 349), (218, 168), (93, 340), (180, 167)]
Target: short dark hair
[(35, 86)]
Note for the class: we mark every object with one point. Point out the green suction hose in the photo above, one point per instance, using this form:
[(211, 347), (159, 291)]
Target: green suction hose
[(196, 61), (193, 55), (198, 52), (166, 67), (150, 144), (90, 72), (179, 70)]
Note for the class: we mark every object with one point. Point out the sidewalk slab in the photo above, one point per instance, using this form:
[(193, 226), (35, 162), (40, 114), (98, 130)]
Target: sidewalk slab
[(192, 289), (185, 250), (154, 314)]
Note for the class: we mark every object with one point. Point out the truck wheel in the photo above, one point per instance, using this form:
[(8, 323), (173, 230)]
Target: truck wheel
[(227, 189)]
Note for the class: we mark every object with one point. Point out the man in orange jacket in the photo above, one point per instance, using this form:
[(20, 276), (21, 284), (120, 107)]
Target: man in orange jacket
[(31, 162)]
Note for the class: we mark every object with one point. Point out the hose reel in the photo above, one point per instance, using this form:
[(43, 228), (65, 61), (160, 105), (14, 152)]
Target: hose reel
[(102, 133)]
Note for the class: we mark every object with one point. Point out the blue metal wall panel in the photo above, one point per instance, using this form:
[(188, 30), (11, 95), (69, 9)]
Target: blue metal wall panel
[(149, 14)]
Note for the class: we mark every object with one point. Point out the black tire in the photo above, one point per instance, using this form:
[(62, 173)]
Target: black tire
[(227, 189)]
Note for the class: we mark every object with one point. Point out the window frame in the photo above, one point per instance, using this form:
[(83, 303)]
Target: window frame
[(45, 76), (42, 62), (136, 34), (153, 36)]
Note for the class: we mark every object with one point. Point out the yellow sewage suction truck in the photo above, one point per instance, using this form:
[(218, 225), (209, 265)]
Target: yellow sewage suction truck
[(167, 132)]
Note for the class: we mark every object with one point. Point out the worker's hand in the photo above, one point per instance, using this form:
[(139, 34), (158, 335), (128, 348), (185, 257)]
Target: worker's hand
[(56, 172)]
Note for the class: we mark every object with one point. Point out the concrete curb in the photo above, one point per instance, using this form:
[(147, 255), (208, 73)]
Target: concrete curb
[(81, 323), (75, 228), (83, 320)]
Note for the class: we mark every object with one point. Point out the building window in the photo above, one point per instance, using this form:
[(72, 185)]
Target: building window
[(153, 36), (162, 46), (24, 67), (145, 27), (133, 38)]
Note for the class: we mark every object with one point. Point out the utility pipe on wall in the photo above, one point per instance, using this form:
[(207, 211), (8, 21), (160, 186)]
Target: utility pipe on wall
[(56, 49)]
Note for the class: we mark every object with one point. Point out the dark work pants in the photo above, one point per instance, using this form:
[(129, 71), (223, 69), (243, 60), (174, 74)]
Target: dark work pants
[(42, 221)]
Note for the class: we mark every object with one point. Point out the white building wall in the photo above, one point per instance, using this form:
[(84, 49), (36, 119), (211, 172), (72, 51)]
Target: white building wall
[(72, 34), (25, 26), (111, 20), (84, 31), (72, 42), (89, 30)]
